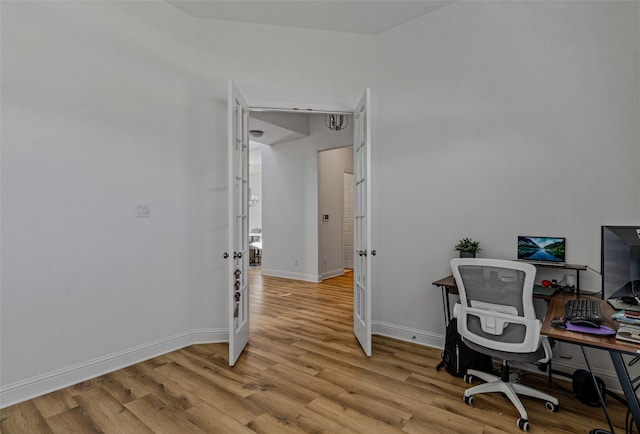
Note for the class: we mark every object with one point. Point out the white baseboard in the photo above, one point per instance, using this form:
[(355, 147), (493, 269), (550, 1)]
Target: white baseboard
[(332, 273), (435, 340), (55, 380), (289, 275)]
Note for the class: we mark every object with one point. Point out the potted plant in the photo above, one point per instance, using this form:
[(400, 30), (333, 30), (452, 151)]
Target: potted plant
[(468, 248)]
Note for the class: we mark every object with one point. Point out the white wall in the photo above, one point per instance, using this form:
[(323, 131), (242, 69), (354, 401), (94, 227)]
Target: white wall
[(96, 118), (496, 119), (278, 66), (332, 165), (110, 104), (290, 211)]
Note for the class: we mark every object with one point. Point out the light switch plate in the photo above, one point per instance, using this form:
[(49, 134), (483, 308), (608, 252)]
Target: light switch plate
[(143, 210)]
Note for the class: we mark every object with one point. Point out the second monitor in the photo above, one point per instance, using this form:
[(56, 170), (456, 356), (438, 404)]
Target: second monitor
[(545, 250)]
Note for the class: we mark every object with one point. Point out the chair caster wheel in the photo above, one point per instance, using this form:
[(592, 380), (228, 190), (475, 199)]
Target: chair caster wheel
[(523, 424), (551, 406), (468, 400), (468, 378)]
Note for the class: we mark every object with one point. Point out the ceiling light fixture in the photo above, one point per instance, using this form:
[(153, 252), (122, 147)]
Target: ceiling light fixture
[(256, 133), (336, 122)]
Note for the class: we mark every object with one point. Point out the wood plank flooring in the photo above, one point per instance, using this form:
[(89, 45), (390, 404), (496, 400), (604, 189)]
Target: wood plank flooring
[(303, 371)]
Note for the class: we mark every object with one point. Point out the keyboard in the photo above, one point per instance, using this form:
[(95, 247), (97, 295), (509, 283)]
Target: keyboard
[(583, 312)]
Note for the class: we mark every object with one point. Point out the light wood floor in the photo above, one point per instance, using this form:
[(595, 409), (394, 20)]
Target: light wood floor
[(302, 371)]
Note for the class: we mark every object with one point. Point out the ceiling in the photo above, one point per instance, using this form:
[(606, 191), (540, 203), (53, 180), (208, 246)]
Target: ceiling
[(278, 130), (351, 16)]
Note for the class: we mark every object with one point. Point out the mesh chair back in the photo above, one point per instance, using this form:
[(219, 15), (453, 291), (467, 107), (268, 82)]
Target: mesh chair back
[(496, 304)]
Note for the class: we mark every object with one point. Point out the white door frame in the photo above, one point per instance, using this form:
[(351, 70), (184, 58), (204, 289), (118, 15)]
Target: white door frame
[(362, 333)]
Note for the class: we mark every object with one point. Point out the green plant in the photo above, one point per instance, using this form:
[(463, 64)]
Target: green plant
[(468, 245)]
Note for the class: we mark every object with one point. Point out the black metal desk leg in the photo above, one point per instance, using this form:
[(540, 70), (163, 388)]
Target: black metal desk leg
[(447, 308), (627, 386), (447, 317), (595, 386)]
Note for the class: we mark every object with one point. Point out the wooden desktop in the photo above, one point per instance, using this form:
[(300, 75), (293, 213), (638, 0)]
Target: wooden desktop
[(556, 309), (616, 348)]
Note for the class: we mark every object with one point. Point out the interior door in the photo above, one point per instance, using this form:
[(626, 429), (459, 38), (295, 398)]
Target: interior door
[(362, 223), (238, 256)]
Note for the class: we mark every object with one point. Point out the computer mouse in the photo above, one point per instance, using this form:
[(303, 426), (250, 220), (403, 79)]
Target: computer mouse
[(559, 323), (585, 322)]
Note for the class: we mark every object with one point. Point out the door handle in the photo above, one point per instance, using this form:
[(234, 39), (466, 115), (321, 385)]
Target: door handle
[(373, 253), (225, 255), (363, 252), (237, 255)]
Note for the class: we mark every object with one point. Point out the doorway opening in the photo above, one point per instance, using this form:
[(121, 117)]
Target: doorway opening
[(293, 226), (297, 169), (335, 203), (292, 167)]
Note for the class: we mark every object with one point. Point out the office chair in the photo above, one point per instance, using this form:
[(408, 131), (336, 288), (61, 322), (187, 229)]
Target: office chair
[(496, 316)]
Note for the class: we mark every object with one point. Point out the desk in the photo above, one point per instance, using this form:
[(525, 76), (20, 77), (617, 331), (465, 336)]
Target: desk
[(448, 286), (574, 267), (615, 347), (556, 309)]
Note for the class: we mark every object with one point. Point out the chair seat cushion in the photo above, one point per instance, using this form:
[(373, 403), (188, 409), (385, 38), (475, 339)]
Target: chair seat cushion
[(505, 355)]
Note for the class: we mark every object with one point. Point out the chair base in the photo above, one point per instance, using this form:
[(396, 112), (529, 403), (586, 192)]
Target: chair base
[(511, 389)]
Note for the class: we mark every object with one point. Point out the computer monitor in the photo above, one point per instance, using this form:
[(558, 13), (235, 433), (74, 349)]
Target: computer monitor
[(620, 262), (546, 250)]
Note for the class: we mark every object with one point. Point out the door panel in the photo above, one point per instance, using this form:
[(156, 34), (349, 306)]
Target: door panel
[(238, 148), (362, 222), (347, 224)]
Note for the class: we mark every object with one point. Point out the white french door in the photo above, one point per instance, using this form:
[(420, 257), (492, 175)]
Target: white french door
[(362, 223), (238, 245)]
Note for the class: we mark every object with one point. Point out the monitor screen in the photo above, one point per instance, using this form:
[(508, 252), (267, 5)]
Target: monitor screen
[(620, 258), (541, 249)]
